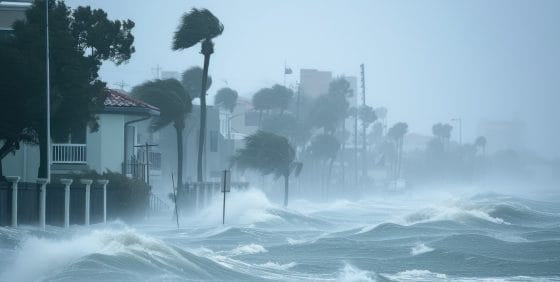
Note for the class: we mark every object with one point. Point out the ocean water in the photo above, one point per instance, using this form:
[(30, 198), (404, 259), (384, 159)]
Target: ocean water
[(479, 237)]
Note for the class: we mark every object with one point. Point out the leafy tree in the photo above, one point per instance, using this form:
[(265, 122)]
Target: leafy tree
[(199, 26), (174, 104), (268, 154), (76, 92), (396, 134), (226, 98), (192, 81), (442, 131)]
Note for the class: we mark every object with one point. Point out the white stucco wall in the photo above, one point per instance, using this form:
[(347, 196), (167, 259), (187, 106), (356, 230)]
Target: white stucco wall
[(105, 147)]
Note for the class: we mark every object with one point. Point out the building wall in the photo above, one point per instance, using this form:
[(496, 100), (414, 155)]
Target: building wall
[(314, 82)]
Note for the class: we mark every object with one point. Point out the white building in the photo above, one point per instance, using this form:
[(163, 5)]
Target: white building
[(123, 123)]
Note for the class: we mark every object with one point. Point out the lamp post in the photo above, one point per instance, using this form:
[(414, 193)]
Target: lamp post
[(48, 94), (460, 121)]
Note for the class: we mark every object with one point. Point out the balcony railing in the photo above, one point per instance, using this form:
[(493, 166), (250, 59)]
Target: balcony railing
[(69, 153)]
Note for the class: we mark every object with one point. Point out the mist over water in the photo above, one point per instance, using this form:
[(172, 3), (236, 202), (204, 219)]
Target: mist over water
[(435, 235)]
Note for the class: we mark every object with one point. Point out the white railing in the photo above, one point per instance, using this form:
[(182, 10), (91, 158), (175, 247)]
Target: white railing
[(69, 153)]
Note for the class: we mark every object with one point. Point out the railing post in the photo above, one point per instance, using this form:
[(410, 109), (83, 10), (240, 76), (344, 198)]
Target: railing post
[(14, 180), (104, 182), (67, 183), (42, 201), (87, 182)]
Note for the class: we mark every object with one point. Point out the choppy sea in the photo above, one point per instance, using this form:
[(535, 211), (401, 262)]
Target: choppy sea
[(480, 237)]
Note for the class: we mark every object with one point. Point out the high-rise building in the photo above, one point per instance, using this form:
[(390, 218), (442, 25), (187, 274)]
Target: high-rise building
[(314, 82)]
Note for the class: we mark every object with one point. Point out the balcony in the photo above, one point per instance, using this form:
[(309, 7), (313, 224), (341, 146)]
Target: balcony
[(69, 154)]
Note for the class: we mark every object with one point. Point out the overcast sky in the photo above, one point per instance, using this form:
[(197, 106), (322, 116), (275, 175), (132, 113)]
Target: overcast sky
[(426, 61)]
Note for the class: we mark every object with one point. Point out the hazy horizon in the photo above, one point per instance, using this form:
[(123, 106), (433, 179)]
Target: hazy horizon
[(427, 62)]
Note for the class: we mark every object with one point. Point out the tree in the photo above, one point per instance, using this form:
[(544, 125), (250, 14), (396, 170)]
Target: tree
[(268, 154), (325, 148), (480, 142), (396, 134), (331, 109), (367, 117), (174, 104), (192, 81), (76, 92), (199, 26), (226, 98)]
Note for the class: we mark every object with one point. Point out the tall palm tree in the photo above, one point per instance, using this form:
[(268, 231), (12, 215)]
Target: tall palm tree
[(192, 81), (397, 133), (325, 147), (174, 105), (226, 98), (480, 142), (269, 153), (199, 25)]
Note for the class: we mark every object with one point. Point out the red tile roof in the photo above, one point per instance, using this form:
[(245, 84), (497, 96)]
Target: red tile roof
[(116, 98)]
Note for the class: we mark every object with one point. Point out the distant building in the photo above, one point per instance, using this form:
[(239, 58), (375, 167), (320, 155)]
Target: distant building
[(314, 82)]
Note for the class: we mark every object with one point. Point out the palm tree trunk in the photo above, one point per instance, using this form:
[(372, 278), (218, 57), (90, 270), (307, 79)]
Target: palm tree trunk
[(343, 154), (286, 188), (43, 151), (364, 152), (179, 131), (202, 134), (329, 173)]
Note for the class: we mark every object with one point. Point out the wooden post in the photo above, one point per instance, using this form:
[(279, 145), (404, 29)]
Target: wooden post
[(226, 187), (104, 182), (67, 183), (43, 201), (87, 182), (14, 180)]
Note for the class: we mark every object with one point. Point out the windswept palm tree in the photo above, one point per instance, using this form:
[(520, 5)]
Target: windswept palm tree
[(199, 26), (325, 148), (397, 133), (174, 105), (192, 81), (226, 98), (480, 142), (268, 154)]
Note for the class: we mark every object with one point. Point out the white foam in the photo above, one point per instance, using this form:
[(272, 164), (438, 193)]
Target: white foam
[(420, 248), (278, 266), (417, 276), (248, 249), (352, 273), (292, 241)]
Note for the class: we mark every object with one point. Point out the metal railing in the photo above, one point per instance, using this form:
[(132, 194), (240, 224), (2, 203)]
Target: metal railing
[(69, 153), (154, 159)]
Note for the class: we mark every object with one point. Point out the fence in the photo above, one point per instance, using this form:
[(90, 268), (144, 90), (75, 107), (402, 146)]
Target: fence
[(52, 204), (194, 196), (69, 153)]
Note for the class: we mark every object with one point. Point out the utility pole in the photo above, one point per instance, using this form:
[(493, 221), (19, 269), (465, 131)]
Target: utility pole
[(121, 84), (157, 70), (48, 94), (460, 121), (146, 148), (364, 150)]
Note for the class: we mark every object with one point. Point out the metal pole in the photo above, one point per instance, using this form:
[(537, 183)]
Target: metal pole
[(48, 95)]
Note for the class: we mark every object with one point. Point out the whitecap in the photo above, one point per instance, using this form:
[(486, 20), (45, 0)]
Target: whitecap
[(417, 276), (420, 248), (352, 273)]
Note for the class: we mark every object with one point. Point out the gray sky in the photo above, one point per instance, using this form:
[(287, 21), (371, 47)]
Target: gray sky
[(426, 61)]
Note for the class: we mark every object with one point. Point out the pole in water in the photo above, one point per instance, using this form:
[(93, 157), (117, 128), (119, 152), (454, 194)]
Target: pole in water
[(175, 199), (226, 185)]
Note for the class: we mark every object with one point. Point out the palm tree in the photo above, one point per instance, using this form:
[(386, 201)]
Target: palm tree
[(192, 81), (325, 147), (480, 142), (397, 133), (226, 98), (174, 105), (268, 154), (199, 26)]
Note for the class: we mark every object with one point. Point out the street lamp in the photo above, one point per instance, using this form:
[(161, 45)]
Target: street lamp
[(460, 121), (48, 94)]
